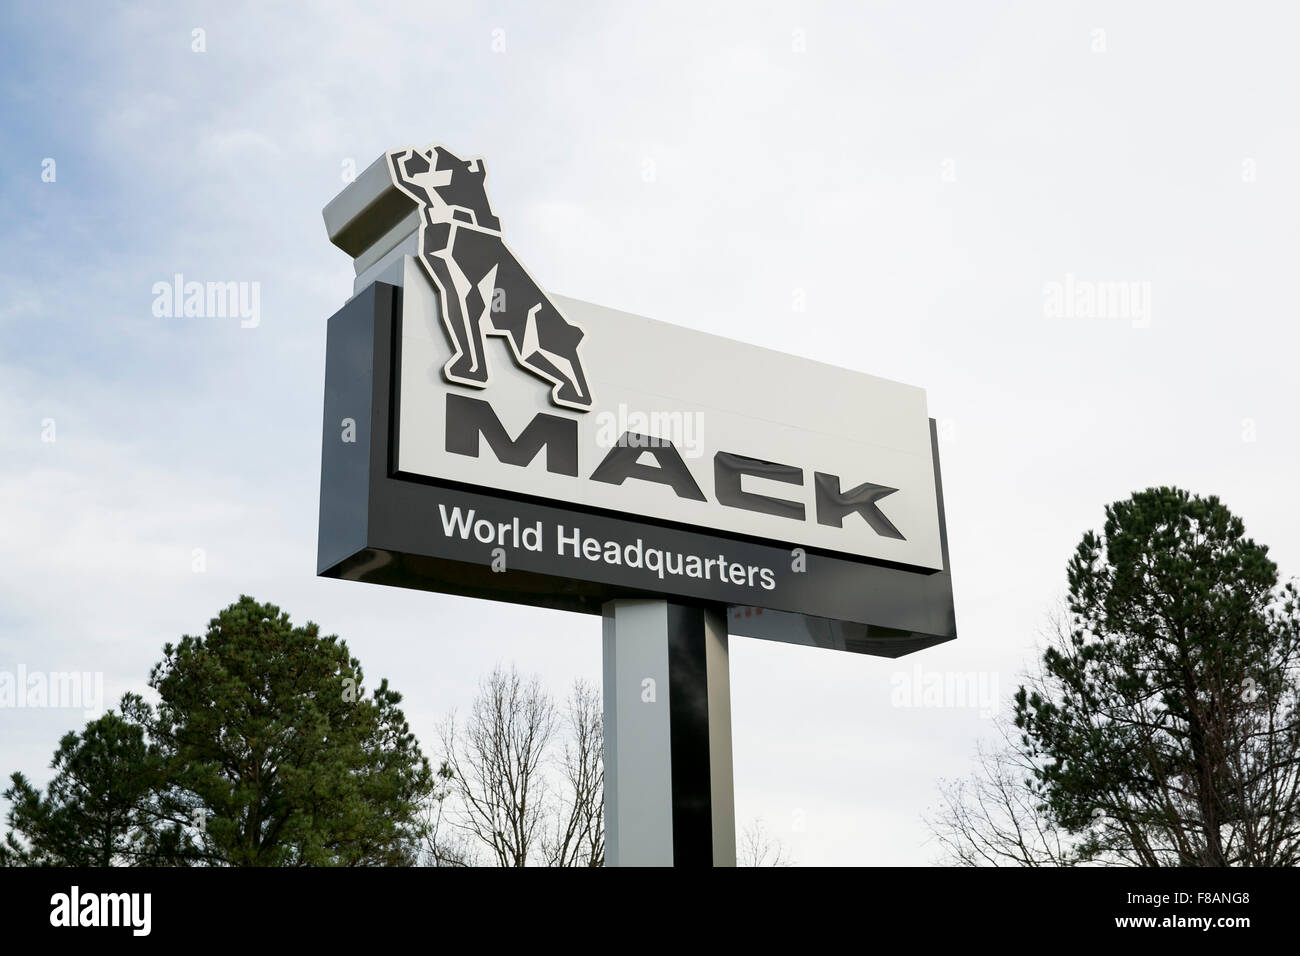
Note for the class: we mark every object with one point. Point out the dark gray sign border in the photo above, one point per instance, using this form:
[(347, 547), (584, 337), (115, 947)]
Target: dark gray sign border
[(383, 527)]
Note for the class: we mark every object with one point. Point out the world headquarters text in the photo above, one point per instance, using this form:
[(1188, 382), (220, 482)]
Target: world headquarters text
[(570, 542)]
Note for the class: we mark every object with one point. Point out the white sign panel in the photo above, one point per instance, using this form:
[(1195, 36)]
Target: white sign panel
[(671, 424)]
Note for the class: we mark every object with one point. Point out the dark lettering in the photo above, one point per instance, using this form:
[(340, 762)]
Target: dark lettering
[(468, 419)]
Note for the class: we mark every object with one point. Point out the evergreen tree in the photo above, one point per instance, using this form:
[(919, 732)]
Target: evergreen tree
[(267, 731), (102, 807), (1165, 723)]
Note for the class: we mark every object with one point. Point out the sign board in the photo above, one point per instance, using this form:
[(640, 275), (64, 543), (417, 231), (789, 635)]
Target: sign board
[(518, 445)]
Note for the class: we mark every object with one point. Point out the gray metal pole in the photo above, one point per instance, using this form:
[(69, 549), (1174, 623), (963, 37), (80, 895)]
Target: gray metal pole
[(669, 796)]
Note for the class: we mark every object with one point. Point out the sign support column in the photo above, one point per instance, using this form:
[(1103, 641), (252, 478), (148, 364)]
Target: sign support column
[(669, 795)]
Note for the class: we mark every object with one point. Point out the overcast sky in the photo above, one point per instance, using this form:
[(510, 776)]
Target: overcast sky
[(930, 177)]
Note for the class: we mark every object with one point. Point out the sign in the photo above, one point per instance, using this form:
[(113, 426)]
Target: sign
[(518, 445)]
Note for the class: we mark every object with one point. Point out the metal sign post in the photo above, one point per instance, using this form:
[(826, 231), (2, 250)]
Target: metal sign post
[(668, 783), (486, 439)]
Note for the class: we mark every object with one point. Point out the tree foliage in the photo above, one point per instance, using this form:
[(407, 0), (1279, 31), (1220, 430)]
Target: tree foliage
[(1162, 727), (103, 805), (269, 732), (264, 750)]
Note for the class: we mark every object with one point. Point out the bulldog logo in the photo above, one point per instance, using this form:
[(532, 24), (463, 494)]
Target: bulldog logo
[(482, 287)]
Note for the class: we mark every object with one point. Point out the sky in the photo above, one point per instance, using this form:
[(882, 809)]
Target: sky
[(949, 189)]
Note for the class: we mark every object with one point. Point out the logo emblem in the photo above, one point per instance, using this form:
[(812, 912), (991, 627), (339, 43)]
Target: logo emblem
[(483, 289)]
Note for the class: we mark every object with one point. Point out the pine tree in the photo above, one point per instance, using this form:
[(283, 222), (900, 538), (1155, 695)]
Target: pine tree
[(102, 807), (268, 732), (1165, 722)]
